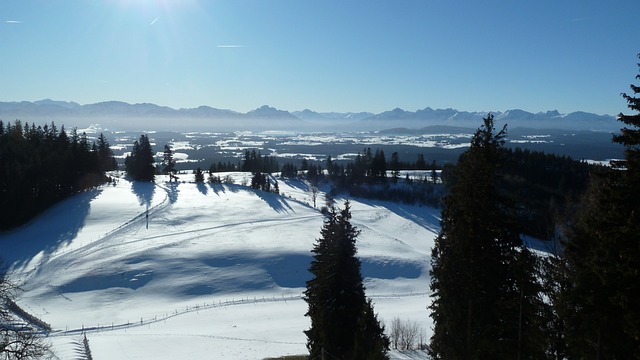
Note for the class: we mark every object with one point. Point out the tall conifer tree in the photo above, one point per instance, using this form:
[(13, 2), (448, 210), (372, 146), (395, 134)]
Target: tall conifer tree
[(169, 164), (485, 296), (600, 303), (343, 324), (140, 165)]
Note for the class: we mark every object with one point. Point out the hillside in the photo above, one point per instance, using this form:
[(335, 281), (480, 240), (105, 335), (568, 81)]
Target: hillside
[(218, 273)]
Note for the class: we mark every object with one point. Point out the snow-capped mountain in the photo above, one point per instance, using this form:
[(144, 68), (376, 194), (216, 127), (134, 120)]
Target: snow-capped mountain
[(117, 114)]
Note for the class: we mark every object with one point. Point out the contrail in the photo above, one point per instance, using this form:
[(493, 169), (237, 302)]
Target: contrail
[(154, 20), (13, 22)]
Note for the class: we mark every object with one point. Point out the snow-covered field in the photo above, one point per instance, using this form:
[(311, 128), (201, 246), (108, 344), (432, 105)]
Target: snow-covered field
[(217, 272)]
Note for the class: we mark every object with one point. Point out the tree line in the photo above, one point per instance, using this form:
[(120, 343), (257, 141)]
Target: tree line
[(41, 165), (493, 298)]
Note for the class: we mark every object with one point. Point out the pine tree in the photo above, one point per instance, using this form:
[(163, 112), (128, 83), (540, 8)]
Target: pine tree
[(199, 175), (600, 303), (343, 324), (169, 164), (395, 167), (140, 165), (485, 294), (105, 154)]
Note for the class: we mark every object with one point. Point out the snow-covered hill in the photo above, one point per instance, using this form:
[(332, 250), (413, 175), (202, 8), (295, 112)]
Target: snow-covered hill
[(218, 273)]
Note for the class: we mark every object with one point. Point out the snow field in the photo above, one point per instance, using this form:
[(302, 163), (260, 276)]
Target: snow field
[(210, 275)]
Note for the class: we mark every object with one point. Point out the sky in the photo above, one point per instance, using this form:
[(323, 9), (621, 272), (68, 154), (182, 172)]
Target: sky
[(330, 55)]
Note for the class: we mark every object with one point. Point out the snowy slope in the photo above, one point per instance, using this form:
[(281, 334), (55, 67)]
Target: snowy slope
[(218, 273)]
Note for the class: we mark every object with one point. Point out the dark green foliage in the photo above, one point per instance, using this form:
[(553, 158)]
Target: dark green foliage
[(314, 174), (289, 171), (366, 176), (105, 155), (599, 303), (378, 168), (543, 187), (486, 301), (41, 165), (140, 165), (168, 163), (222, 167), (343, 324), (395, 167), (254, 162), (198, 175)]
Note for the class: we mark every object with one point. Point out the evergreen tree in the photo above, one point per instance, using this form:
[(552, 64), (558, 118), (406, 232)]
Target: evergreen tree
[(395, 167), (257, 180), (421, 163), (40, 166), (343, 324), (140, 165), (600, 303), (378, 169), (486, 300), (105, 154), (168, 163), (199, 175)]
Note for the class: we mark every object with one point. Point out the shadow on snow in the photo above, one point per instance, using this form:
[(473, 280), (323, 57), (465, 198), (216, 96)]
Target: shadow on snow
[(56, 227)]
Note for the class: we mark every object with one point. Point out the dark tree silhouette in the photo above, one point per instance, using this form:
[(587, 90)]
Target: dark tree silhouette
[(17, 340), (140, 165), (40, 165), (168, 163), (105, 154), (343, 324), (486, 300), (602, 257)]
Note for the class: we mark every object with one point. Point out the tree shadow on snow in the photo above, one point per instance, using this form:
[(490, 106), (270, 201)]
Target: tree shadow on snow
[(276, 202), (425, 216), (202, 188), (389, 270), (296, 184), (144, 191), (217, 188), (172, 191), (292, 270), (49, 231), (287, 270)]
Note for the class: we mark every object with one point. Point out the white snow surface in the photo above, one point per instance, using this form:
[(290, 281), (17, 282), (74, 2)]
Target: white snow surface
[(218, 274)]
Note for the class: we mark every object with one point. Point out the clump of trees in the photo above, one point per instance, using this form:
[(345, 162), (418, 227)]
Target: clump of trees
[(371, 176), (140, 164), (255, 162), (343, 323), (407, 335), (543, 187), (492, 298), (41, 165)]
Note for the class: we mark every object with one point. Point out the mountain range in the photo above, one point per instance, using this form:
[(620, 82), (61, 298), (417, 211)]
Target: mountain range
[(116, 114)]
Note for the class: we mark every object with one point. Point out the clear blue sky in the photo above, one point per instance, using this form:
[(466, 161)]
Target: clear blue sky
[(324, 55)]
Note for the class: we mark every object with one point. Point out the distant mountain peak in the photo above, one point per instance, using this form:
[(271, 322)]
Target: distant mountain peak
[(266, 111), (64, 104), (122, 113)]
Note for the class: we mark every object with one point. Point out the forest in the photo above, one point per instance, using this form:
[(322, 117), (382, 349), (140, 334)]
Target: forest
[(41, 165), (495, 298)]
